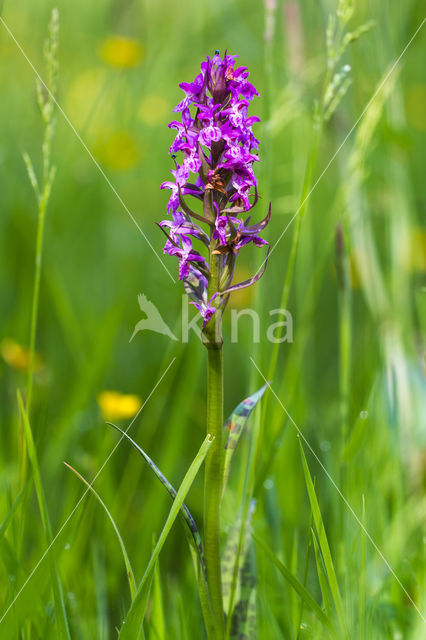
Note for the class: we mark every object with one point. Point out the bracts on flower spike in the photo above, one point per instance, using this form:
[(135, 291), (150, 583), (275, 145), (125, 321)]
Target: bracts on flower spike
[(218, 147)]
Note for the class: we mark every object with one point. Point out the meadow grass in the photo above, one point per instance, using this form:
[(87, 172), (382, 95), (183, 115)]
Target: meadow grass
[(349, 267)]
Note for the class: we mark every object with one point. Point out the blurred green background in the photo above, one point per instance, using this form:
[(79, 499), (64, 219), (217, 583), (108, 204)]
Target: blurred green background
[(120, 63)]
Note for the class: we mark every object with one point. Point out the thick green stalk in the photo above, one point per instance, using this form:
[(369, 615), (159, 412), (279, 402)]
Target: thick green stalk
[(214, 459), (213, 481)]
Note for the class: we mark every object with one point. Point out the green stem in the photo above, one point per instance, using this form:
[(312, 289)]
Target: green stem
[(345, 359), (214, 459), (213, 483), (345, 331), (36, 295)]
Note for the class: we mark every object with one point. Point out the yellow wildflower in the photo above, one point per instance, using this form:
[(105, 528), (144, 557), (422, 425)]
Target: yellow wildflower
[(121, 52), (17, 356), (117, 406)]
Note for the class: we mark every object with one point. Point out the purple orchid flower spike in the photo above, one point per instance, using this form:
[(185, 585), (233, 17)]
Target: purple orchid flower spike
[(195, 285), (186, 255), (206, 311), (218, 147)]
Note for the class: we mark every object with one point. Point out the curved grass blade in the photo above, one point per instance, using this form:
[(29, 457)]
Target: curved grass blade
[(299, 625), (135, 616), (322, 574), (233, 430), (129, 570), (324, 546), (302, 591), (58, 594), (185, 514), (191, 531)]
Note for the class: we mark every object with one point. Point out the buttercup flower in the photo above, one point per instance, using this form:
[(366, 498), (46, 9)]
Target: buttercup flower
[(216, 139), (118, 406)]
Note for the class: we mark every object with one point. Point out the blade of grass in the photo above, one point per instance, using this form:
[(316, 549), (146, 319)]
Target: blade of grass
[(19, 498), (184, 513), (248, 480), (294, 582), (305, 578), (129, 570), (290, 377), (136, 614), (61, 615), (183, 397), (86, 384), (362, 581), (324, 546), (234, 427), (157, 629), (183, 625), (322, 575), (100, 587), (244, 614), (356, 439), (234, 570), (24, 602), (16, 626), (295, 604)]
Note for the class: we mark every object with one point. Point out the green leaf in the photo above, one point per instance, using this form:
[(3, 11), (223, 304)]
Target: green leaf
[(28, 593), (362, 581), (298, 625), (233, 430), (324, 546), (244, 621), (61, 615), (129, 570), (356, 439), (190, 524), (322, 574), (157, 628), (135, 616), (239, 579), (302, 591), (21, 495)]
